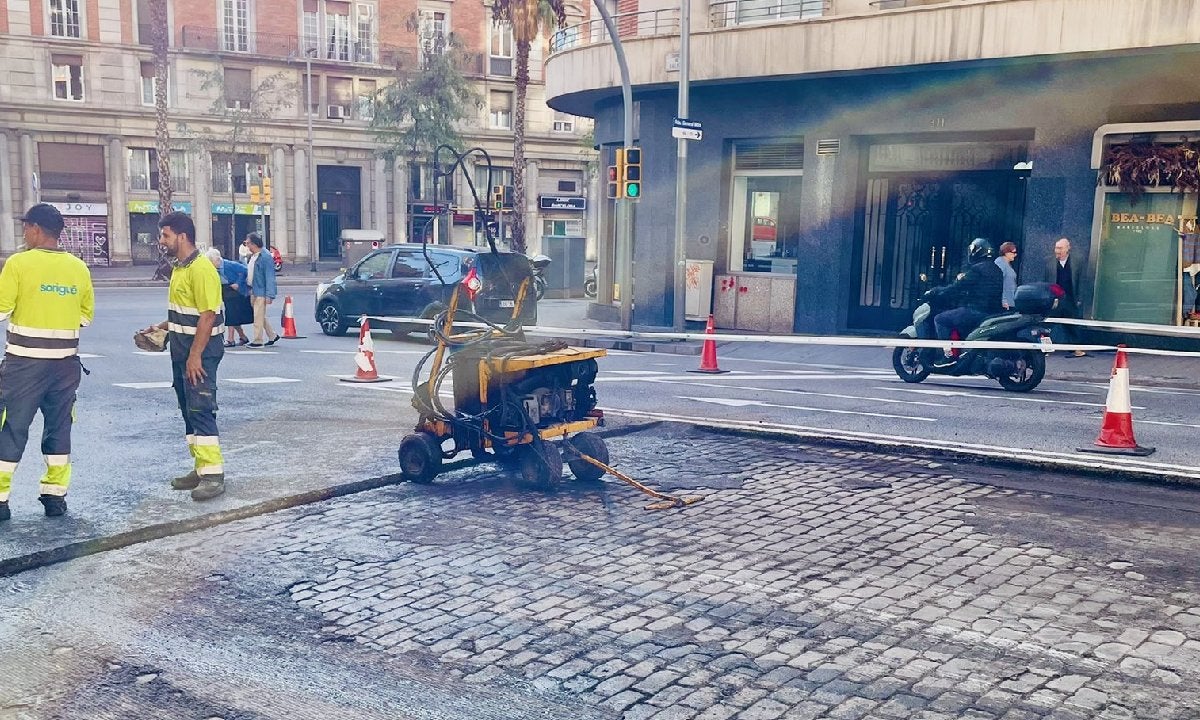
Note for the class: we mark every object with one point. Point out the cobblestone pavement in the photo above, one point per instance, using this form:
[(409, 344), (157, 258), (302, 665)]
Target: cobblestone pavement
[(808, 584)]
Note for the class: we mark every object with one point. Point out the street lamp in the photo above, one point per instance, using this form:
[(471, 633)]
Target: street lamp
[(309, 54)]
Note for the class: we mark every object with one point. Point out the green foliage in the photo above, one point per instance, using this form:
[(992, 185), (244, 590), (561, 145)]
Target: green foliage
[(424, 107), (239, 127)]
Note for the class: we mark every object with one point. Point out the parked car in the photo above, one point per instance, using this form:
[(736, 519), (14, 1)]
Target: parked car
[(397, 281)]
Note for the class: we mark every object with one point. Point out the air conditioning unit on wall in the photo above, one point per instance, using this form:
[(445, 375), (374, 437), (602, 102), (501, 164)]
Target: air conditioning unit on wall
[(338, 112)]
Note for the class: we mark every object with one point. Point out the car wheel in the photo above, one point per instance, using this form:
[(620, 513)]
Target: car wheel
[(330, 319)]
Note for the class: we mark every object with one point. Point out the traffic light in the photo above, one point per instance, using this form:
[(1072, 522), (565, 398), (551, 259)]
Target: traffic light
[(631, 174), (255, 195), (266, 190), (614, 187), (508, 196), (497, 197)]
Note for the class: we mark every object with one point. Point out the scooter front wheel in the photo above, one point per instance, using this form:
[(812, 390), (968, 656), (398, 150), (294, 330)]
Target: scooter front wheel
[(909, 364)]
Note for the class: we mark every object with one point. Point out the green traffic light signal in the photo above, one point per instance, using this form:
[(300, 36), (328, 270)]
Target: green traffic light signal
[(633, 189)]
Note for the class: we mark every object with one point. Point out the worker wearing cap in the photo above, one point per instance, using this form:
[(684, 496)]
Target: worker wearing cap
[(46, 296), (195, 328)]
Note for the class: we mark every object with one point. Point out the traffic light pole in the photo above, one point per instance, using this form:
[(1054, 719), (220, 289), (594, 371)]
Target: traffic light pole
[(678, 302), (624, 249)]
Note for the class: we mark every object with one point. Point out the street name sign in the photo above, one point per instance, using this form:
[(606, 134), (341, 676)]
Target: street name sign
[(685, 129)]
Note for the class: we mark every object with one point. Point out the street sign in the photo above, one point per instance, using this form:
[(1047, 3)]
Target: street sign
[(685, 129), (561, 202)]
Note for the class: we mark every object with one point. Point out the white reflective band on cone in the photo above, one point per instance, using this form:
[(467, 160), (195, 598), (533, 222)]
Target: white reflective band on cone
[(1118, 393)]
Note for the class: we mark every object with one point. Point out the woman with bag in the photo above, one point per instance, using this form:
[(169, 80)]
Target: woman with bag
[(235, 292)]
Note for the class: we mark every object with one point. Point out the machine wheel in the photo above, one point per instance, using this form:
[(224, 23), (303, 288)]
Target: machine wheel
[(909, 364), (1031, 368), (592, 445), (539, 286), (541, 464), (330, 320), (420, 457)]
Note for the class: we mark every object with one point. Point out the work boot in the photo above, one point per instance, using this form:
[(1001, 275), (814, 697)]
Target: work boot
[(55, 504), (5, 513), (210, 487), (186, 482)]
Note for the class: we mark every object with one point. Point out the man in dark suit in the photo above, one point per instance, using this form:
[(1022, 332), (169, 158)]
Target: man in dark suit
[(1066, 271)]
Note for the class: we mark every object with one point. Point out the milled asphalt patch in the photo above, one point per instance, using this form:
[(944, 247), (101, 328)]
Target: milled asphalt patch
[(83, 548)]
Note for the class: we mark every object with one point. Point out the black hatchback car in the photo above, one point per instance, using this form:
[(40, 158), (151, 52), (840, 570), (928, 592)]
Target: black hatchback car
[(397, 281)]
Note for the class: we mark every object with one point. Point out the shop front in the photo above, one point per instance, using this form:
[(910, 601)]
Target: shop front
[(232, 223), (85, 231), (143, 229)]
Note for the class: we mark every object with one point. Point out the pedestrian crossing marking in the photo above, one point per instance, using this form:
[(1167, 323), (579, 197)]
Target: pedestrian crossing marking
[(89, 356), (143, 385), (269, 379)]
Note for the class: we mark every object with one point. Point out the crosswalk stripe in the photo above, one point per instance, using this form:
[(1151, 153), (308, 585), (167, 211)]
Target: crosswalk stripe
[(268, 380), (143, 385)]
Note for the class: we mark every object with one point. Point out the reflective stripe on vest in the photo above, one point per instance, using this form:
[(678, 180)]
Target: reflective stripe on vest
[(44, 343)]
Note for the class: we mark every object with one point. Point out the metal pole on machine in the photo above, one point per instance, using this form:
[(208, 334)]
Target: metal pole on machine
[(624, 209)]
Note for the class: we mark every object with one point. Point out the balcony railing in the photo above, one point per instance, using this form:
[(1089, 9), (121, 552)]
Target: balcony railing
[(647, 23), (731, 13), (253, 43)]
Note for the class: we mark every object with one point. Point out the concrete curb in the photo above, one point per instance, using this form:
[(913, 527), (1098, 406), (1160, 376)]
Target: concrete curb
[(93, 546), (135, 283)]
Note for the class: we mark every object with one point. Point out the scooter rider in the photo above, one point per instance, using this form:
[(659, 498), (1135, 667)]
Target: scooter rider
[(977, 293)]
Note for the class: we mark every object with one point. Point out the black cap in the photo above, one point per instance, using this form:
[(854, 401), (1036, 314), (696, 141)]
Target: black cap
[(46, 217)]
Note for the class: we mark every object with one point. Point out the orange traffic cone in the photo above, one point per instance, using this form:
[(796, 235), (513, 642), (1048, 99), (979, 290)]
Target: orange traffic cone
[(364, 359), (1116, 430), (288, 322), (708, 356)]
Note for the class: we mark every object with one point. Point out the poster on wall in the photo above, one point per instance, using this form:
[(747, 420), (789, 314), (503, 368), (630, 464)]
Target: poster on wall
[(1137, 273), (85, 232)]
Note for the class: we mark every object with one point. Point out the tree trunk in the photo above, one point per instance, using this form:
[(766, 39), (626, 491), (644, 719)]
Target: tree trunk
[(162, 139), (518, 171)]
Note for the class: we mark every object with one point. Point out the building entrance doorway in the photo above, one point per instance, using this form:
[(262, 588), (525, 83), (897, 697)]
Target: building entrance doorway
[(339, 204), (914, 227)]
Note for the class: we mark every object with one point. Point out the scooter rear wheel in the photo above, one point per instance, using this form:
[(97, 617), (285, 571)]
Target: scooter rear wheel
[(1028, 374), (909, 364)]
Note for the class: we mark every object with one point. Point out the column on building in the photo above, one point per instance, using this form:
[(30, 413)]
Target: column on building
[(533, 229), (379, 182), (280, 237), (202, 198), (399, 201), (304, 233), (119, 241), (8, 226), (29, 192)]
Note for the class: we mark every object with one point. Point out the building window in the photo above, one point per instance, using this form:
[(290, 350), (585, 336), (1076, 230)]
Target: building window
[(563, 228), (64, 18), (416, 185), (235, 24), (364, 39), (311, 26), (563, 122), (232, 175), (500, 104), (364, 107), (145, 30), (143, 170), (432, 33), (149, 83), (237, 88), (500, 176), (67, 71), (337, 30), (501, 53), (340, 94)]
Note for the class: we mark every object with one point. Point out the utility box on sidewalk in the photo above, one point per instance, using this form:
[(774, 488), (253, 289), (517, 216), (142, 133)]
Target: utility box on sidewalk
[(565, 275), (697, 304), (357, 243)]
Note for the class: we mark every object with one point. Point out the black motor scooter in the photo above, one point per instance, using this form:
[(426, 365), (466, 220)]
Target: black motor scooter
[(1015, 370), (540, 263)]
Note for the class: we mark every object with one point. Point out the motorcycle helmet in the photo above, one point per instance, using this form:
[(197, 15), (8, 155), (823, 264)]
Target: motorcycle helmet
[(979, 249)]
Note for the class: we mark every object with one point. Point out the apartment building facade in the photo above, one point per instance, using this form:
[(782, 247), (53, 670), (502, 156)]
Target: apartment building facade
[(77, 123), (853, 148)]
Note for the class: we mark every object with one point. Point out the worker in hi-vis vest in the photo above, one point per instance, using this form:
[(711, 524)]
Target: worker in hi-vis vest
[(195, 331), (46, 296)]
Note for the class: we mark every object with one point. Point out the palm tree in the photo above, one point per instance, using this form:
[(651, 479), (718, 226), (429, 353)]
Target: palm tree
[(162, 137), (526, 18)]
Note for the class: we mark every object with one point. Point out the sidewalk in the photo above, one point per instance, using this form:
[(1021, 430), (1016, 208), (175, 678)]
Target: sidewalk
[(293, 274)]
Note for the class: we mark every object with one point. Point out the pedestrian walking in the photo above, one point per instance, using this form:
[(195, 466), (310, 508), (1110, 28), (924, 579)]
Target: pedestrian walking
[(1066, 272), (46, 296), (261, 270), (195, 326), (1008, 253), (235, 293)]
